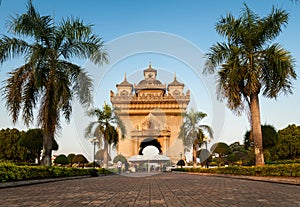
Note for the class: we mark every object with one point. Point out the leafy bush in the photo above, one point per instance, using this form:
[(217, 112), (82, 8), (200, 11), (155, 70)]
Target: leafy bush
[(120, 157), (12, 172), (284, 161), (61, 159), (180, 163), (71, 157), (268, 170), (80, 159)]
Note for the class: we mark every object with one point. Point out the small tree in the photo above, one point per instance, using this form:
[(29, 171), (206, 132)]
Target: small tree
[(269, 137), (119, 157), (221, 149), (80, 159), (61, 159), (123, 159), (181, 163), (105, 128), (289, 143), (32, 140), (192, 132), (71, 157), (9, 147)]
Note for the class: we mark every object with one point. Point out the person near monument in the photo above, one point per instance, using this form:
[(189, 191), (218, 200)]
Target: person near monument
[(119, 165)]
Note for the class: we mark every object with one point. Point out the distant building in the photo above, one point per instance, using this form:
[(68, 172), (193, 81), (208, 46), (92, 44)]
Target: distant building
[(151, 112)]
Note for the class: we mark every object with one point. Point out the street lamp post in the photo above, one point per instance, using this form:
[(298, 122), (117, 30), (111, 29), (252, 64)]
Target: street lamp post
[(94, 141), (205, 143), (205, 139)]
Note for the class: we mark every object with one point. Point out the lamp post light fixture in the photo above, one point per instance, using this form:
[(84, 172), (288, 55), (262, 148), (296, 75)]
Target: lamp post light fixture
[(180, 155), (94, 141)]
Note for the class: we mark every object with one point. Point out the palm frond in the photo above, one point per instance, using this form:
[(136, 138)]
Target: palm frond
[(13, 92), (278, 72), (190, 128), (78, 41), (29, 97), (108, 124), (271, 25), (83, 86), (32, 24), (218, 54), (11, 48)]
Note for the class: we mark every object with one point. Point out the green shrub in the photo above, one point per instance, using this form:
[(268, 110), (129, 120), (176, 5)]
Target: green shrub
[(284, 162), (181, 163), (268, 170), (12, 172), (61, 159)]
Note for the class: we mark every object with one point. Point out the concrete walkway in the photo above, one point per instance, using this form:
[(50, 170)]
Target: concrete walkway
[(166, 189)]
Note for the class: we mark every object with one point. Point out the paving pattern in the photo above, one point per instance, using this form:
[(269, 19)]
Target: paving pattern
[(166, 189)]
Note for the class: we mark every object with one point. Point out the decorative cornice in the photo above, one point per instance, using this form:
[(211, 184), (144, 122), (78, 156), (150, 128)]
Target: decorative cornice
[(150, 133)]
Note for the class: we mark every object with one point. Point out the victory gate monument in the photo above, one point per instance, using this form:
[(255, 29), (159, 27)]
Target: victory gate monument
[(152, 114)]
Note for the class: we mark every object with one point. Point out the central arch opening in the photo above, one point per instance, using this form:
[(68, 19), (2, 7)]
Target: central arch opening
[(149, 142)]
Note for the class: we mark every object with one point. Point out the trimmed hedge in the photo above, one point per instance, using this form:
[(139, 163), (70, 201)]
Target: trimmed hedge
[(284, 162), (288, 170), (12, 172)]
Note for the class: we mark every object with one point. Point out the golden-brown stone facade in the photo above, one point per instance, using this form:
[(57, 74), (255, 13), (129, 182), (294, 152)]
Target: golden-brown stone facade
[(151, 112)]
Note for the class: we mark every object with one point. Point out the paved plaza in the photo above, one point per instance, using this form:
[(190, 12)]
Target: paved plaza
[(166, 189)]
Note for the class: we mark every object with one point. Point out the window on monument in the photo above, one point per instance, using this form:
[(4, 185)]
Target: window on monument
[(124, 93), (176, 93)]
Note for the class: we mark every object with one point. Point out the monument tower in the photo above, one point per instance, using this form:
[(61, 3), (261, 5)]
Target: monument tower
[(151, 112)]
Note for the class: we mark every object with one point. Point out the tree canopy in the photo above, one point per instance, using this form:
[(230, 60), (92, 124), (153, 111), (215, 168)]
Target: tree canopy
[(269, 137), (220, 148), (9, 147), (289, 143), (61, 159), (120, 157), (80, 159), (32, 140)]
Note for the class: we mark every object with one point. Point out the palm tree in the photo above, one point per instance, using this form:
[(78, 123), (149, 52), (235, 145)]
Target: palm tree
[(105, 130), (192, 132), (47, 77), (249, 63)]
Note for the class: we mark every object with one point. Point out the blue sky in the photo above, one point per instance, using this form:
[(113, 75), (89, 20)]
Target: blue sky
[(134, 33)]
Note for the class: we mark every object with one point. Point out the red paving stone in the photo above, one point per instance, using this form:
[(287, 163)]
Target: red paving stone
[(166, 189)]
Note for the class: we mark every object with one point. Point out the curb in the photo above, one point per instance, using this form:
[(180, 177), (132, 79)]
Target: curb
[(281, 180), (11, 184)]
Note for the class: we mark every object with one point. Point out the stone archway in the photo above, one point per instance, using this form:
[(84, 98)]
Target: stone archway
[(150, 142)]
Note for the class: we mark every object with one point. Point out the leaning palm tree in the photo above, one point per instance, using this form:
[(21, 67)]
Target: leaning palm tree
[(104, 128), (250, 63), (192, 132), (47, 77)]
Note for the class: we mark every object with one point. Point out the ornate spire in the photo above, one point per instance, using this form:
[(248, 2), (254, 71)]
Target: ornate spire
[(175, 82), (125, 82)]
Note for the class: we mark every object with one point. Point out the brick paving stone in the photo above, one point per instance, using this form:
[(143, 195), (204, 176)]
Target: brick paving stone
[(166, 189)]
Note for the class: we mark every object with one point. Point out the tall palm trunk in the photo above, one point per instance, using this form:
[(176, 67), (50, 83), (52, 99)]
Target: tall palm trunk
[(105, 154), (256, 130), (47, 149), (195, 156), (49, 114)]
